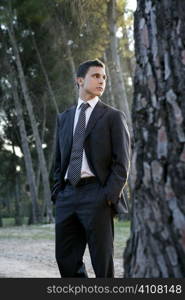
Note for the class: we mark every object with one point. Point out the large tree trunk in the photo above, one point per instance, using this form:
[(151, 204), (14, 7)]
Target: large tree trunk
[(44, 172), (156, 247)]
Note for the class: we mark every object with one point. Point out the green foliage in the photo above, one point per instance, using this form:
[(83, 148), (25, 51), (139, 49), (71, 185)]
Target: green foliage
[(32, 11)]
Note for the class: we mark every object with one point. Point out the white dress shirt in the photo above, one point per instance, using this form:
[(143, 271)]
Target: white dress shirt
[(85, 170)]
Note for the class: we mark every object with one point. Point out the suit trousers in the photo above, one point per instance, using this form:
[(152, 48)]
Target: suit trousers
[(84, 217)]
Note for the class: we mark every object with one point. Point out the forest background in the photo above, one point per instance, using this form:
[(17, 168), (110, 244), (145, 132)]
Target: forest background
[(42, 44)]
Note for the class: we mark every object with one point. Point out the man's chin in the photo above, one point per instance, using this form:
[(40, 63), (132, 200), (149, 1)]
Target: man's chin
[(99, 93)]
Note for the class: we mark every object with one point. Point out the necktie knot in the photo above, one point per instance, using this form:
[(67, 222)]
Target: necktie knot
[(84, 106)]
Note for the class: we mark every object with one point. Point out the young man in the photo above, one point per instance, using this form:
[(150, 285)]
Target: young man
[(91, 169)]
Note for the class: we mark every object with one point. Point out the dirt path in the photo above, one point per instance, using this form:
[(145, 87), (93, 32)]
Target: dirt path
[(25, 253)]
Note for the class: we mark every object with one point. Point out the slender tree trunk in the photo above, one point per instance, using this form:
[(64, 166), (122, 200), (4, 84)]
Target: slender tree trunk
[(50, 90), (1, 219), (128, 61), (66, 42), (27, 155), (116, 76), (109, 90), (113, 59), (69, 56), (156, 248), (17, 214), (53, 99), (45, 179)]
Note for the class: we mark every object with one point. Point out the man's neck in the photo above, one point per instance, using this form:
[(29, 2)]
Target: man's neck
[(85, 100), (86, 97)]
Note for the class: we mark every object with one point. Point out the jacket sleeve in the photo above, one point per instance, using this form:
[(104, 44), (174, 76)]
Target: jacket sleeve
[(120, 140), (57, 164)]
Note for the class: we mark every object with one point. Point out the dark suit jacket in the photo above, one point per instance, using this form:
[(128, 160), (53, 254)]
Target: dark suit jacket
[(107, 147)]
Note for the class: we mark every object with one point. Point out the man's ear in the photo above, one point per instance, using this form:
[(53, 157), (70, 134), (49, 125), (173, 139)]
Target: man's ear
[(79, 81)]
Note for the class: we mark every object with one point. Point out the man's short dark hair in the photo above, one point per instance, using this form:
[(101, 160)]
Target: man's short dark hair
[(84, 67)]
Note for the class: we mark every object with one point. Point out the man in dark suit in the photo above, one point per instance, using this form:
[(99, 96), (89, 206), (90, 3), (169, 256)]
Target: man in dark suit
[(91, 169)]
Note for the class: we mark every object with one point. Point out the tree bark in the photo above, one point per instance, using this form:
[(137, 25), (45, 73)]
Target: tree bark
[(69, 57), (16, 191), (128, 61), (53, 99), (50, 90), (27, 155), (113, 59), (1, 219), (109, 94), (156, 248)]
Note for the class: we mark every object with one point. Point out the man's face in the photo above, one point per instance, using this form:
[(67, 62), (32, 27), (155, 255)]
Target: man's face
[(94, 82)]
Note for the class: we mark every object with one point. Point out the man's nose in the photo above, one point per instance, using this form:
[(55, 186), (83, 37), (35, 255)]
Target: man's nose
[(101, 80)]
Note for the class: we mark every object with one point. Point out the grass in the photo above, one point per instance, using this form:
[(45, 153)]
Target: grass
[(122, 232), (33, 232), (47, 232), (11, 221)]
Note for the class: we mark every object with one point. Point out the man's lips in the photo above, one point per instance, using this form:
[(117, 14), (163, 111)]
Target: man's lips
[(99, 88)]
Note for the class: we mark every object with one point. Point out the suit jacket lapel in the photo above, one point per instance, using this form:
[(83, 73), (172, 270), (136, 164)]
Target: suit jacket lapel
[(69, 128), (97, 113)]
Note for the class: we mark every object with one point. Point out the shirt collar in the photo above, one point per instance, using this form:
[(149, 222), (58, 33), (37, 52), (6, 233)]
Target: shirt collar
[(91, 102)]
